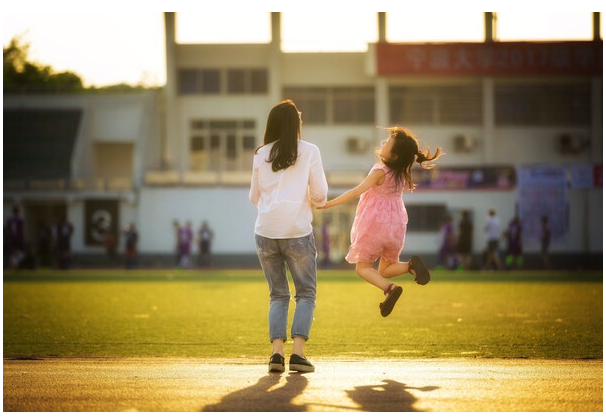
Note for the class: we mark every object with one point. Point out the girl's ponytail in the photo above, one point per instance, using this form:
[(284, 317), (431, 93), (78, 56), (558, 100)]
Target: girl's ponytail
[(424, 156)]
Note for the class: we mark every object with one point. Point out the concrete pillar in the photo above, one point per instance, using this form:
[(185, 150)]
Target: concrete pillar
[(275, 60), (490, 26), (381, 106), (382, 26), (488, 120), (171, 148)]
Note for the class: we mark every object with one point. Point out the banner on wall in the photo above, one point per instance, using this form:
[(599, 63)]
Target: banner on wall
[(543, 191), (100, 217), (496, 58), (494, 178)]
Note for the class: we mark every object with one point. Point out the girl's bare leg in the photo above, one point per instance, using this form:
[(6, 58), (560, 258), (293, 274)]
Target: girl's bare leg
[(365, 271), (394, 269)]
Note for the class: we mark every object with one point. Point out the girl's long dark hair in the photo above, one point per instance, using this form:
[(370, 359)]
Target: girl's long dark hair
[(283, 128), (405, 152)]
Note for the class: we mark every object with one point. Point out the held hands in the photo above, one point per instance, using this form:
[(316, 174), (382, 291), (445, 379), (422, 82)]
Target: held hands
[(325, 206)]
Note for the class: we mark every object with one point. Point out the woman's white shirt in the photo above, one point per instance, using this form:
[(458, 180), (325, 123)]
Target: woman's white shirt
[(284, 199)]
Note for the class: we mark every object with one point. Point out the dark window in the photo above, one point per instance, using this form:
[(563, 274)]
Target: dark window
[(543, 104), (197, 143), (223, 124), (236, 81), (249, 143), (425, 217), (231, 146), (249, 124), (438, 105), (258, 81), (188, 81), (211, 81), (215, 142)]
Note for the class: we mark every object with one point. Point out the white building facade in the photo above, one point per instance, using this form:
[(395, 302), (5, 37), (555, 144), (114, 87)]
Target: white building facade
[(511, 117)]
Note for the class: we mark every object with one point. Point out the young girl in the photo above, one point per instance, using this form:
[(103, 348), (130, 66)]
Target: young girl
[(379, 227), (287, 179)]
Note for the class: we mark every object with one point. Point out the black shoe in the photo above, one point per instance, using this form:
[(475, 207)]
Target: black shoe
[(391, 296), (276, 363), (300, 364), (421, 272)]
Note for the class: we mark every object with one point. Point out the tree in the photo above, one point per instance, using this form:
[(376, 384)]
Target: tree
[(20, 74)]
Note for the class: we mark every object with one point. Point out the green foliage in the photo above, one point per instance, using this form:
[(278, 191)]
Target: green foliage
[(20, 74), (24, 76), (224, 314)]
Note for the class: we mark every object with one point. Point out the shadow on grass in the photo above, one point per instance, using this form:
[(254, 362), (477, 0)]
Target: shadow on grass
[(261, 397)]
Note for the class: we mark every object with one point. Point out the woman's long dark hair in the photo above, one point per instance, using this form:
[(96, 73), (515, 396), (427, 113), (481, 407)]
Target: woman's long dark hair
[(405, 152), (283, 128)]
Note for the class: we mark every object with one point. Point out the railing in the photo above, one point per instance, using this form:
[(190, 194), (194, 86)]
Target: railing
[(73, 184), (162, 178)]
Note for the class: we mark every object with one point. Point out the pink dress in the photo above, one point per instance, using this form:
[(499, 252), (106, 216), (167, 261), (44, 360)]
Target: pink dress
[(379, 228)]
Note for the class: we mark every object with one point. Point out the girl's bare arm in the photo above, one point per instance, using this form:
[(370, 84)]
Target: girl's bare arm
[(373, 178)]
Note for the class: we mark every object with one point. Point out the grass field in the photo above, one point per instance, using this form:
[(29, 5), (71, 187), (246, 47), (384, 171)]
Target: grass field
[(224, 314)]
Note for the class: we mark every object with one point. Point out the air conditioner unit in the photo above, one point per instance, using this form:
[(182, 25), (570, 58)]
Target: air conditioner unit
[(463, 143), (568, 143), (356, 145)]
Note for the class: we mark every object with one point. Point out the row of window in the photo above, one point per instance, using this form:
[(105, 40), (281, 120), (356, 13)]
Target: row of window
[(515, 104), (518, 104), (223, 81)]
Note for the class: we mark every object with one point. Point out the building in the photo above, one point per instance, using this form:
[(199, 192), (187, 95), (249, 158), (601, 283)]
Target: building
[(521, 123)]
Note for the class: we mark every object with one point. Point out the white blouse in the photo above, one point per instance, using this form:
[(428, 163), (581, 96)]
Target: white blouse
[(284, 198)]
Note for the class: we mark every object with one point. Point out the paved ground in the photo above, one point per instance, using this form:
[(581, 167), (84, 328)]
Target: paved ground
[(195, 384)]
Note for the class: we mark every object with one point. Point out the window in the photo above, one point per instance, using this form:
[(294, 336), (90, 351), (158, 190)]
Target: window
[(425, 217), (211, 81), (323, 105), (436, 105), (221, 145), (220, 81), (543, 104)]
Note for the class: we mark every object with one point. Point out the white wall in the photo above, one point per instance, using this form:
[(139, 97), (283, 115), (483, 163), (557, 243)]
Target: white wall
[(227, 211)]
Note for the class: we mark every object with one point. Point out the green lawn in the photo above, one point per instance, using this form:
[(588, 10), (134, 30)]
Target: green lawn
[(224, 314)]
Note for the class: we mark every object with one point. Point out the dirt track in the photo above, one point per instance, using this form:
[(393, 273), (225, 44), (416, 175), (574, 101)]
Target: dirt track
[(195, 384)]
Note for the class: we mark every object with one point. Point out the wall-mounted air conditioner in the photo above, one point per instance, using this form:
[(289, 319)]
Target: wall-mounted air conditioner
[(356, 145), (463, 143), (569, 143)]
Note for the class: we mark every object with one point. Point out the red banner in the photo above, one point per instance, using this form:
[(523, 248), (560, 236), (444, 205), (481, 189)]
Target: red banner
[(569, 58)]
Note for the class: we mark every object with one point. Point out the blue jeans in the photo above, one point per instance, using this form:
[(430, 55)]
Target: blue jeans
[(300, 256)]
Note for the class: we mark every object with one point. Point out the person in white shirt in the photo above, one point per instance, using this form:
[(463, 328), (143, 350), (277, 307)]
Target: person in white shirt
[(493, 234), (287, 180)]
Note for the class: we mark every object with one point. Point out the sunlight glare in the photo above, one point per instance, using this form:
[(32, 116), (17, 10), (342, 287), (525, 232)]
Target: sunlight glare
[(435, 27)]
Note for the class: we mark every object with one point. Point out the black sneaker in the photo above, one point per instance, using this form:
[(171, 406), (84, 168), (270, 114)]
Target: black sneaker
[(276, 363), (300, 364)]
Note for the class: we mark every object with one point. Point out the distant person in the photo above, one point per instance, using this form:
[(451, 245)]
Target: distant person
[(379, 227), (513, 235), (287, 180), (45, 243), (326, 244), (446, 256), (493, 234), (177, 234), (63, 236), (110, 242), (186, 237), (464, 241), (131, 238), (205, 238), (15, 232), (545, 241)]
